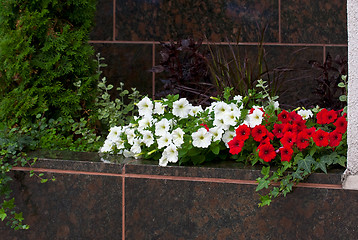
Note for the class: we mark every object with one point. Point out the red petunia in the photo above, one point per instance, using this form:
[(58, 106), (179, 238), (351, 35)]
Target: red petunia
[(300, 125), (243, 132), (341, 125), (321, 139), (331, 116), (310, 131), (259, 132), (288, 139), (322, 116), (302, 140), (235, 145), (205, 126), (290, 128), (284, 117), (286, 153), (335, 138), (294, 116), (267, 152), (278, 130)]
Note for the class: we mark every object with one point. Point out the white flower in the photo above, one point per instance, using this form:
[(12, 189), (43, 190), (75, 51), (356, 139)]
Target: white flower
[(276, 105), (195, 110), (159, 108), (135, 149), (237, 98), (145, 122), (229, 118), (130, 136), (119, 143), (145, 107), (178, 137), (228, 136), (171, 153), (114, 133), (305, 114), (221, 109), (236, 110), (107, 146), (163, 161), (255, 118), (164, 140), (219, 122), (217, 133), (181, 108), (127, 153), (148, 138), (201, 138), (162, 127)]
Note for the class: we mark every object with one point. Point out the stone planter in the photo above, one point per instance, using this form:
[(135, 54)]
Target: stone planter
[(135, 199)]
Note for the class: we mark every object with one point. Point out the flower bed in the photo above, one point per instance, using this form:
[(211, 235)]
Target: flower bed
[(297, 142)]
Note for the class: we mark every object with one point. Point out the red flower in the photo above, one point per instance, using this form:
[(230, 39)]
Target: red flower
[(286, 153), (294, 116), (288, 139), (267, 152), (331, 116), (235, 145), (284, 116), (278, 130), (243, 132), (341, 125), (300, 125), (335, 138), (322, 116), (290, 128), (321, 139), (310, 131), (205, 126), (259, 132), (302, 140), (270, 135)]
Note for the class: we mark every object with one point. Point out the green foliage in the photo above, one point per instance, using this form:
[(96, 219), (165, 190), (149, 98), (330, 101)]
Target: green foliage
[(44, 51)]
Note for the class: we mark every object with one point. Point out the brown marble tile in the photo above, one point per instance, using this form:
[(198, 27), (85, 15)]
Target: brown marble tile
[(72, 207), (320, 21), (215, 19), (127, 63), (163, 209), (103, 22)]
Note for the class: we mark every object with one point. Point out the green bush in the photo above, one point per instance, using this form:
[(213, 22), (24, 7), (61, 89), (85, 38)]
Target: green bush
[(45, 60)]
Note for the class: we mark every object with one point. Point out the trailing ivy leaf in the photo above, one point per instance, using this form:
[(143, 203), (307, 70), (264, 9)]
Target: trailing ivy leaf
[(263, 183), (321, 165), (275, 192), (297, 174), (265, 200), (3, 214), (265, 171), (306, 163)]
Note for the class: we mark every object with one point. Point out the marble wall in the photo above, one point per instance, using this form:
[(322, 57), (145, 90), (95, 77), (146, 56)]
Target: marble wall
[(127, 34), (135, 199)]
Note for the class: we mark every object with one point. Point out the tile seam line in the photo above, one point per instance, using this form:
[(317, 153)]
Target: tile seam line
[(227, 43), (174, 178)]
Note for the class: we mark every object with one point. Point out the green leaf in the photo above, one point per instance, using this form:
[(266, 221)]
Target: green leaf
[(265, 171), (263, 183), (265, 200), (306, 163), (215, 149), (3, 214), (343, 98), (321, 165), (341, 85)]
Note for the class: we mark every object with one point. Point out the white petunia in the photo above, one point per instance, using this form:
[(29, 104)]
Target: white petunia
[(228, 136), (130, 136), (201, 138), (178, 137), (148, 138), (195, 110), (181, 108), (217, 133), (171, 153), (114, 133), (127, 153), (305, 114), (219, 122), (162, 127), (107, 146), (164, 140), (255, 118), (158, 108), (229, 118), (145, 107), (119, 143), (163, 161), (236, 110), (144, 123), (221, 109)]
